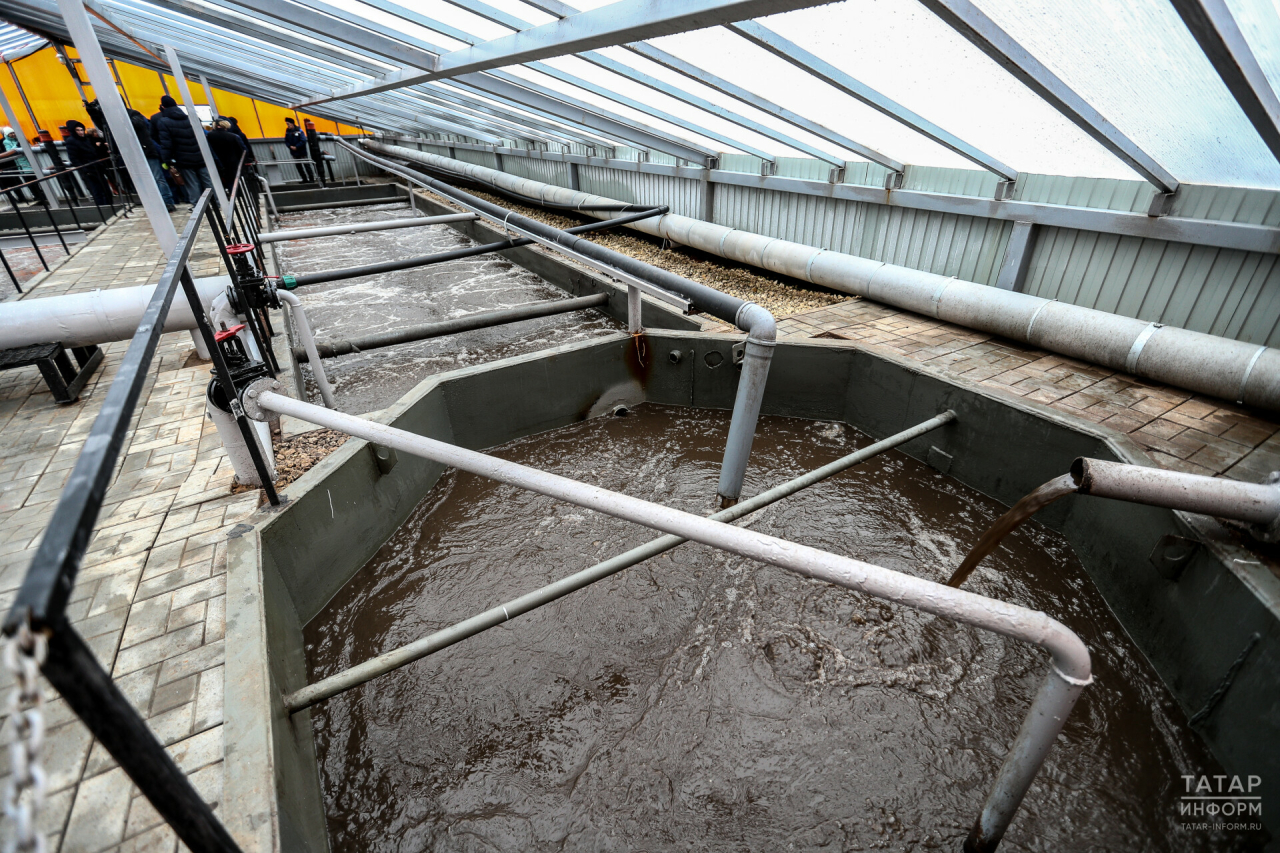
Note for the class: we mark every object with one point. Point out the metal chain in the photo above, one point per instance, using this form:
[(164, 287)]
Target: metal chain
[(23, 655)]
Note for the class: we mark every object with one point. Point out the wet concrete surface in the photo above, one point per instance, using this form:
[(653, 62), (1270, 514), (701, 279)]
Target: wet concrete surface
[(368, 381), (701, 701)]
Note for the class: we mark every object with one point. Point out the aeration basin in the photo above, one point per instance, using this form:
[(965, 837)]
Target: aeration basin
[(701, 700)]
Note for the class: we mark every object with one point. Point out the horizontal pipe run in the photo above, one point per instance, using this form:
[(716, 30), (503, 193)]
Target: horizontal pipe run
[(360, 227), (96, 317), (1253, 503), (1224, 368), (1069, 672), (358, 202), (466, 323), (355, 676), (1070, 655), (458, 254)]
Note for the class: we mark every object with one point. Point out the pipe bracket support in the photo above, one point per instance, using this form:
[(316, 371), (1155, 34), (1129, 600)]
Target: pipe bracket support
[(249, 397)]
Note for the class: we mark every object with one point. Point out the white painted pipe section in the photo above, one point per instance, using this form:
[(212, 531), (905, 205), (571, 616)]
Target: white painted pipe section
[(358, 227), (309, 344), (1224, 368), (1069, 673), (98, 317), (237, 451), (1256, 503)]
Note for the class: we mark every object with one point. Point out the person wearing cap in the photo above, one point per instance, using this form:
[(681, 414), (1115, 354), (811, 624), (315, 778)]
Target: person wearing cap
[(142, 129), (14, 168), (296, 141), (180, 150), (83, 154)]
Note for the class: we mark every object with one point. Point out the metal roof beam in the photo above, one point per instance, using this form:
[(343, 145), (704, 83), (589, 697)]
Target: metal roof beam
[(974, 25), (526, 126), (1219, 36), (622, 21), (829, 74)]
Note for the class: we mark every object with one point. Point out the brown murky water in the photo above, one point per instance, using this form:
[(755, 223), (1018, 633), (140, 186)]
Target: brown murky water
[(700, 701), (364, 382)]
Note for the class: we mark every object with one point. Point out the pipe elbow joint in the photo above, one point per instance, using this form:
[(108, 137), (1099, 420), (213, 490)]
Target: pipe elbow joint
[(758, 323)]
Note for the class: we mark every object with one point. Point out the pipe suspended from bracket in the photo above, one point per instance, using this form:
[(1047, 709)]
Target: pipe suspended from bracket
[(1210, 364), (757, 322), (360, 227), (456, 254), (465, 323), (1069, 672)]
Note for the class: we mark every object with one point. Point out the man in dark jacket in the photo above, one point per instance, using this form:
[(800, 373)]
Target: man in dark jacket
[(235, 128), (180, 150), (82, 151), (142, 129), (296, 141), (227, 150), (317, 153)]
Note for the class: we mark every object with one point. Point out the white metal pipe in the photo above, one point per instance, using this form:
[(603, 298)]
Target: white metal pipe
[(358, 227), (1255, 503), (1068, 674), (237, 450), (98, 317), (1224, 368), (309, 344)]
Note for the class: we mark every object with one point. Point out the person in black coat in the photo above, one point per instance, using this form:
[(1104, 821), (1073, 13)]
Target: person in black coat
[(235, 128), (296, 141), (227, 150), (180, 150), (82, 151), (142, 129), (317, 153)]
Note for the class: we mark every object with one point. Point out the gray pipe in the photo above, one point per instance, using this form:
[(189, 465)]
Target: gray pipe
[(467, 323), (1254, 503), (1224, 368), (1069, 672), (309, 346), (340, 682), (757, 322), (359, 227)]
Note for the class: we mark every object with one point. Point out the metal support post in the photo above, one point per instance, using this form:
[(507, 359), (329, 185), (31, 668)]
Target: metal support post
[(634, 307), (1017, 257), (176, 67), (17, 84), (208, 96), (26, 148), (86, 41), (69, 64), (574, 182)]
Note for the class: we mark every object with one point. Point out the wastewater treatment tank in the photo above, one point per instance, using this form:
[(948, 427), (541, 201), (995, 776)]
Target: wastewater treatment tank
[(367, 381), (701, 701)]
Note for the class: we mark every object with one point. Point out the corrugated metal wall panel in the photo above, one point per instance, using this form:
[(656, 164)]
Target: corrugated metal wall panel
[(547, 171), (679, 194), (478, 158)]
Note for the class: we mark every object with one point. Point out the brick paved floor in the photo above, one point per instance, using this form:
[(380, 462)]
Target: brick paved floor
[(150, 599)]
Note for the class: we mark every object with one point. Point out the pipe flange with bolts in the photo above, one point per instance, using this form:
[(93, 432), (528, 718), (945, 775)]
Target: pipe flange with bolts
[(249, 397)]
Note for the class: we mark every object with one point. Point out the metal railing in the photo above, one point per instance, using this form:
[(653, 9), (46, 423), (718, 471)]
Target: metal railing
[(38, 191), (38, 630)]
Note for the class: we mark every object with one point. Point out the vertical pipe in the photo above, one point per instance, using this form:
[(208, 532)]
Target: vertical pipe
[(86, 42), (309, 344), (757, 355), (634, 307), (25, 144), (176, 67)]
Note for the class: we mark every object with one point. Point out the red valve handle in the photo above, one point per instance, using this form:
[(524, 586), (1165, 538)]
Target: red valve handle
[(227, 333), (239, 248)]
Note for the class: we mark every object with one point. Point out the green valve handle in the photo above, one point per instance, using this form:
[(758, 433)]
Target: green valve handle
[(289, 282)]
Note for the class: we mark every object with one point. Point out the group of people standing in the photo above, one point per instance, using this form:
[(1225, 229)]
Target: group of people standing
[(306, 146), (173, 153), (169, 142)]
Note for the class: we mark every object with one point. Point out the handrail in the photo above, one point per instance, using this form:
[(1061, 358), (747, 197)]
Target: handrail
[(56, 174), (235, 185)]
